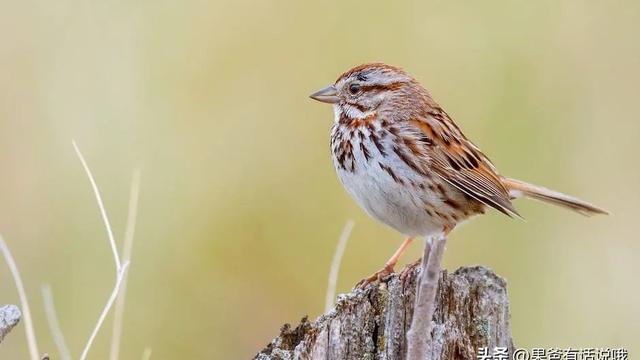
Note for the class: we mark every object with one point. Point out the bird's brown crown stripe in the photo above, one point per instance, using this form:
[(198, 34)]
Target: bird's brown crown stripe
[(366, 68)]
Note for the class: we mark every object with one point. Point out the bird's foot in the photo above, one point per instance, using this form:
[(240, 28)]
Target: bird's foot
[(408, 270), (377, 277)]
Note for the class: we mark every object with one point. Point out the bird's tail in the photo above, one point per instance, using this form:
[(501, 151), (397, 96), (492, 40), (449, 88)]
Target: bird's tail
[(519, 188)]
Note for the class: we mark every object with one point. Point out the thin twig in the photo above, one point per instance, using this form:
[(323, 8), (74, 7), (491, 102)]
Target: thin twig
[(24, 303), (419, 334), (106, 309), (121, 268), (54, 325), (118, 311), (103, 212), (335, 265)]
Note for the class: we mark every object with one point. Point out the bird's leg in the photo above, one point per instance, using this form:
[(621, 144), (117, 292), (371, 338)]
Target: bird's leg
[(419, 335), (388, 267), (421, 261)]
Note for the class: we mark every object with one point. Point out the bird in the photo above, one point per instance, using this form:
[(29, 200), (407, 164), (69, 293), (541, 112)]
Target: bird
[(408, 164)]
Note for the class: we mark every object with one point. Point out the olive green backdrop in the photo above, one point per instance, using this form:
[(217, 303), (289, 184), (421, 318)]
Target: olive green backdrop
[(240, 209)]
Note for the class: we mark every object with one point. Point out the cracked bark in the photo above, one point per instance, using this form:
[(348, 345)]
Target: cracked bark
[(472, 311)]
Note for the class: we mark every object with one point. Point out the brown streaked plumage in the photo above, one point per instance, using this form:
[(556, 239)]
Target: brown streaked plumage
[(407, 163)]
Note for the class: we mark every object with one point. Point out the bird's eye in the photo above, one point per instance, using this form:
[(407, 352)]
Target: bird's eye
[(354, 89)]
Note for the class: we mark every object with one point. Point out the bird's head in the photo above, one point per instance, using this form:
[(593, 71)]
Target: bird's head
[(370, 88)]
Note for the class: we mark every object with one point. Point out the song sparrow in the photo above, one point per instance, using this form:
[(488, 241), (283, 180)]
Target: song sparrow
[(408, 164)]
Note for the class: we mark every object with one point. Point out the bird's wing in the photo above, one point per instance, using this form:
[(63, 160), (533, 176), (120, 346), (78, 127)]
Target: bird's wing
[(459, 162)]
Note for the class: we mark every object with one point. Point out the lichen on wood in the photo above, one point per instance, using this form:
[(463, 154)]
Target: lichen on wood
[(472, 311)]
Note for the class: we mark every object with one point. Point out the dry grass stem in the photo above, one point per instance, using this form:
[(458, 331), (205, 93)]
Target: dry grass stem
[(24, 303), (121, 268), (103, 212), (118, 316), (335, 265), (54, 325), (105, 311)]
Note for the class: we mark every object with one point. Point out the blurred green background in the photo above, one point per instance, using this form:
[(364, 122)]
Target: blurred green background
[(240, 209)]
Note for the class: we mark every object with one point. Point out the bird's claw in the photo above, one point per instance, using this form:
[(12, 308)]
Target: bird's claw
[(377, 277)]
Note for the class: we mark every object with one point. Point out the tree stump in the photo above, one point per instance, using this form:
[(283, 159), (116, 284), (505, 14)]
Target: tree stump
[(472, 312)]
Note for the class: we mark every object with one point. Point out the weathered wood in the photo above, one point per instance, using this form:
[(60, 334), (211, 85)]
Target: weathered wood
[(472, 311), (9, 317)]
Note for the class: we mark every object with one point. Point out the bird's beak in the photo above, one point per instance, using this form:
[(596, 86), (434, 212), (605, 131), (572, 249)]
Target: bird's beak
[(327, 95)]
